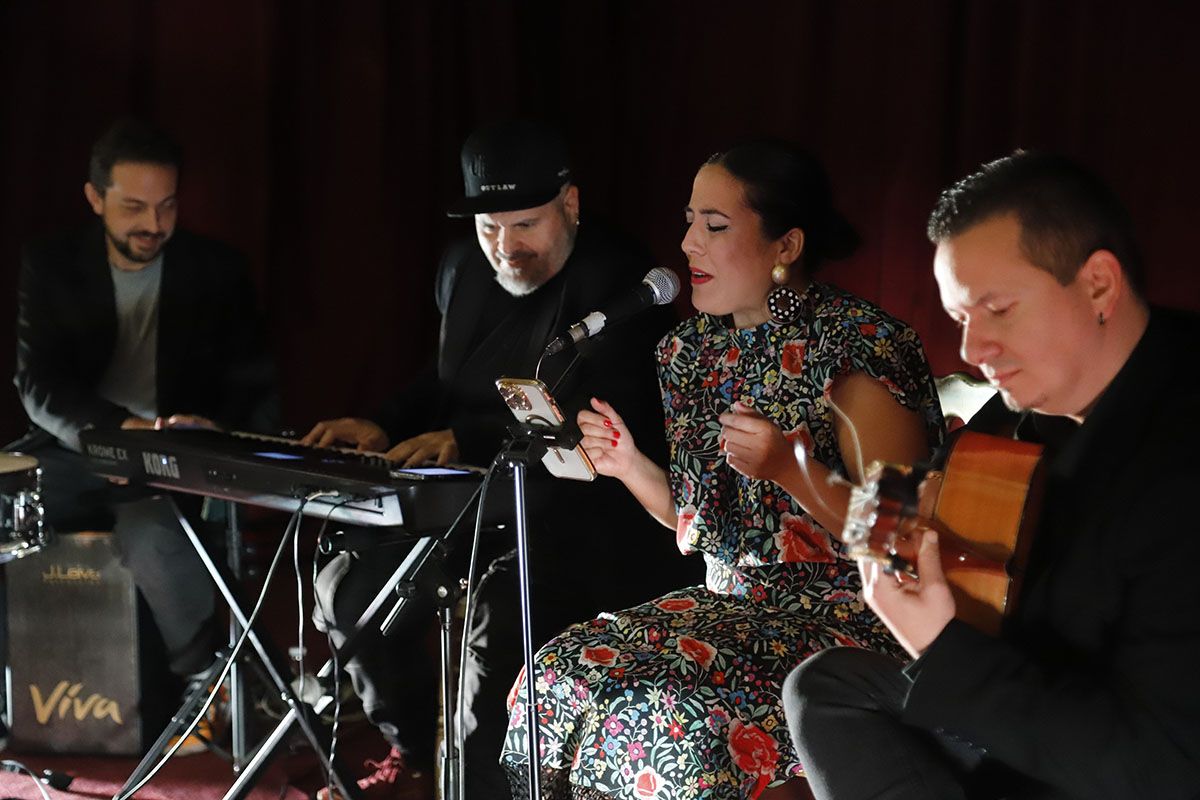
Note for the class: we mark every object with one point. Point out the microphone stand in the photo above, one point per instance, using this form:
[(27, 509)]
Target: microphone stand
[(527, 446)]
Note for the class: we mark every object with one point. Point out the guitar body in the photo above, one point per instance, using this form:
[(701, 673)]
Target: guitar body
[(984, 505)]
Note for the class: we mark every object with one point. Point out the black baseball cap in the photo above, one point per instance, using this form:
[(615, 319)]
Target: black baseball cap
[(511, 166)]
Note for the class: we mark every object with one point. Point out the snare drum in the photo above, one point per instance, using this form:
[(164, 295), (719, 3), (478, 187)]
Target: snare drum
[(23, 527)]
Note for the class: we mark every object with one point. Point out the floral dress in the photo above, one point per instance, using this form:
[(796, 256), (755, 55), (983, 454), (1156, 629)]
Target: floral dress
[(680, 697)]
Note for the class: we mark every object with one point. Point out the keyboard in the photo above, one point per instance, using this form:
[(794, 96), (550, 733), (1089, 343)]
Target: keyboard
[(345, 486)]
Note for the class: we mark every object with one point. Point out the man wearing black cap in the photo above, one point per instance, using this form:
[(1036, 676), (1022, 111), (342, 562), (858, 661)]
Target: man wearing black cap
[(534, 272)]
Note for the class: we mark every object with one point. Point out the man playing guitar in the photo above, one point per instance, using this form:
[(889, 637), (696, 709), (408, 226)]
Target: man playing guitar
[(1089, 689)]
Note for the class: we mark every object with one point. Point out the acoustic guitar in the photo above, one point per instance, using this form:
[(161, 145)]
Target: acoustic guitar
[(984, 504)]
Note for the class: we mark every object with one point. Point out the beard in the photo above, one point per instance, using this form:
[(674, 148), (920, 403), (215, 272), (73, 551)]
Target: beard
[(126, 246), (525, 281), (534, 269)]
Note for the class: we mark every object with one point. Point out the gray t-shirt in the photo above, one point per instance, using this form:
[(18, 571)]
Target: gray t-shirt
[(130, 380)]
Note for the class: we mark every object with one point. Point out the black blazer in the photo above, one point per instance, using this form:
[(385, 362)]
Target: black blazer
[(1091, 691), (211, 355), (606, 548), (617, 366)]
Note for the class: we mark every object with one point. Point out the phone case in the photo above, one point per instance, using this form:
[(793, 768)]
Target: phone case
[(531, 403)]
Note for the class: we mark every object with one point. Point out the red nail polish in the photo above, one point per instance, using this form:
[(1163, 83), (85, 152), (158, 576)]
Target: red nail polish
[(608, 423), (614, 441), (616, 434)]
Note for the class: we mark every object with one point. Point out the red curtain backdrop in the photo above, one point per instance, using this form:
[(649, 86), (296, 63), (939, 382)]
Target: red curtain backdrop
[(322, 138)]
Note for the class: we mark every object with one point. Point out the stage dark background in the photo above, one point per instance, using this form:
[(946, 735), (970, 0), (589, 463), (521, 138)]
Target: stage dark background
[(322, 138)]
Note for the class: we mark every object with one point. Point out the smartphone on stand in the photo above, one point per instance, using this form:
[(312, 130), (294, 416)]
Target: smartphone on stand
[(532, 404)]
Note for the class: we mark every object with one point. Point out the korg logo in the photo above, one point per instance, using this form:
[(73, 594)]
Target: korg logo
[(160, 466)]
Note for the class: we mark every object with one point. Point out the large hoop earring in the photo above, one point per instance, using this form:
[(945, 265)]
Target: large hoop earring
[(783, 303)]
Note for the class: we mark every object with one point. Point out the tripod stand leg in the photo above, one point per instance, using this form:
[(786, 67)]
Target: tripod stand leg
[(180, 720), (237, 678), (248, 775), (535, 789), (416, 559), (450, 755)]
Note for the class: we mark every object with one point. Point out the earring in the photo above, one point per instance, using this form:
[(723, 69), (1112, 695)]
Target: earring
[(1101, 318), (783, 303)]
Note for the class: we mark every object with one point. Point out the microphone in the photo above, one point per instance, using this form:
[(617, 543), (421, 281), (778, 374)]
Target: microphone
[(659, 287)]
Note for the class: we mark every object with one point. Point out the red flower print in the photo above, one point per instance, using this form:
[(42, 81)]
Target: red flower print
[(753, 749), (516, 716), (718, 678), (598, 656), (731, 356), (867, 329), (702, 653), (676, 604), (516, 689), (683, 530), (647, 784), (843, 639), (800, 435), (799, 540), (792, 362)]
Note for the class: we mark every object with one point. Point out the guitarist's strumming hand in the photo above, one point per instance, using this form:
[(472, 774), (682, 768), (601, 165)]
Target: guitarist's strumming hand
[(914, 611)]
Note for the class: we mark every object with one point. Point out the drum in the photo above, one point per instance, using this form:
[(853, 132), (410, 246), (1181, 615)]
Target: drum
[(23, 527)]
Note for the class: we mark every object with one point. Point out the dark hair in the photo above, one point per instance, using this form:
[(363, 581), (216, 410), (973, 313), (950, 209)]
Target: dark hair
[(788, 188), (1066, 213), (130, 141)]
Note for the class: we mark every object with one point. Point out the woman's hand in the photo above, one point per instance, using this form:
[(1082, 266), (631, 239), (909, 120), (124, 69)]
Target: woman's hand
[(607, 440), (609, 445), (754, 445)]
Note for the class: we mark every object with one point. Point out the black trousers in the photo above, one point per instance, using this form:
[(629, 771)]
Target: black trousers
[(150, 544), (397, 676), (843, 709)]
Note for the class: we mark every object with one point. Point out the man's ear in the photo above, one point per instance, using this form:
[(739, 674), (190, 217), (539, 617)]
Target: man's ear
[(1104, 281), (94, 197), (571, 202)]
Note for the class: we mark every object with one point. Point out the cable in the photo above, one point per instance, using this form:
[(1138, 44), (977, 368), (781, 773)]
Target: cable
[(319, 608), (562, 377), (292, 527), (8, 765)]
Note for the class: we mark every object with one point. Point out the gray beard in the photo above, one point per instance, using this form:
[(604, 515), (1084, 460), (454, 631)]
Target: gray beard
[(515, 286)]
